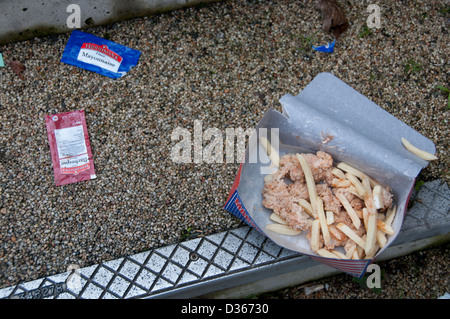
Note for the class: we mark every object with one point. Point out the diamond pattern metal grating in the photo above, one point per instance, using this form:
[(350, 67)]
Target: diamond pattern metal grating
[(159, 270)]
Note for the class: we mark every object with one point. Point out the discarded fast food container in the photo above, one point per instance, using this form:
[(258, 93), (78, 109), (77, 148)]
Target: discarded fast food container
[(329, 116)]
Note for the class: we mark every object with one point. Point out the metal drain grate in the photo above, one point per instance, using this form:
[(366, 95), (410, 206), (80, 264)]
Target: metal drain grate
[(159, 270)]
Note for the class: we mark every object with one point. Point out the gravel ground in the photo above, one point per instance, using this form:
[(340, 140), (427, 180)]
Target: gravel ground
[(224, 64)]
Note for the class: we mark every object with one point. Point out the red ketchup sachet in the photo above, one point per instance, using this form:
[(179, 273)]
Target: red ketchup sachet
[(70, 147)]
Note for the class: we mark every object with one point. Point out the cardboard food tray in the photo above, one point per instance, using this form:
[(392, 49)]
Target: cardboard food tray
[(361, 133)]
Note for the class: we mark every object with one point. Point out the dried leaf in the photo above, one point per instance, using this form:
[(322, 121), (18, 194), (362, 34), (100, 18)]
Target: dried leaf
[(17, 68), (333, 17)]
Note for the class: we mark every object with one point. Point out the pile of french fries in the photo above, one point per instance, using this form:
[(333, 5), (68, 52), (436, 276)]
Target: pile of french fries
[(376, 221)]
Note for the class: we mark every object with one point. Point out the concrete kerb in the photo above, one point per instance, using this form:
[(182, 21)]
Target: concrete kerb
[(25, 19)]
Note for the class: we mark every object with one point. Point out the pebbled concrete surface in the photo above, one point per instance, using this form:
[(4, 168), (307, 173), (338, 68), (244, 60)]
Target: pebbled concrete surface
[(25, 19)]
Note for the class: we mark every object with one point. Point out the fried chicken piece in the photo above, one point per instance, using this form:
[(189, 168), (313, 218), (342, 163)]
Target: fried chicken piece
[(277, 197), (344, 191), (357, 203), (299, 190), (320, 164), (330, 202), (290, 168), (275, 194), (296, 217), (386, 196), (342, 217)]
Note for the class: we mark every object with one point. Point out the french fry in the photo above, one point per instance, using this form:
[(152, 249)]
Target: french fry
[(385, 227), (390, 214), (378, 200), (334, 232), (330, 217), (351, 212), (349, 252), (282, 229), (349, 169), (355, 254), (371, 237), (361, 252), (417, 151), (274, 217), (366, 185), (323, 222), (353, 190), (271, 152), (357, 184), (310, 184), (339, 254), (351, 234), (315, 235), (370, 204), (325, 253), (381, 238), (338, 173), (306, 206), (373, 252), (373, 182), (352, 170), (338, 182), (365, 218)]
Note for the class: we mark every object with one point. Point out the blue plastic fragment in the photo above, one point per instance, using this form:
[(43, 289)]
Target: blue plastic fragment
[(2, 64), (328, 48), (99, 55)]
